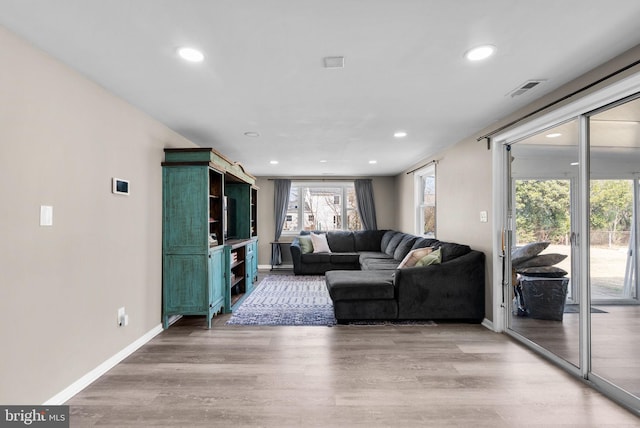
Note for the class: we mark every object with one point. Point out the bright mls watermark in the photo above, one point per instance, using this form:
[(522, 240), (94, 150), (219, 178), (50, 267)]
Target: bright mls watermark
[(34, 416)]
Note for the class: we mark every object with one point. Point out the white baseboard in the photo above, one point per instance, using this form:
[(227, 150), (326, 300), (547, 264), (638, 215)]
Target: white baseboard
[(268, 267), (77, 386), (488, 324)]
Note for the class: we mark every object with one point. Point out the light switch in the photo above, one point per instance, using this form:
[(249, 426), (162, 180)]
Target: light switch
[(46, 215), (483, 217)]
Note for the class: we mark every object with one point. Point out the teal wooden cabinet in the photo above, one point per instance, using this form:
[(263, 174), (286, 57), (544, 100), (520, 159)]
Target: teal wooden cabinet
[(192, 268), (203, 273)]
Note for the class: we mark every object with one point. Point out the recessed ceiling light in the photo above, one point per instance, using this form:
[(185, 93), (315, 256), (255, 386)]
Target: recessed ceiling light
[(251, 134), (191, 54), (373, 161), (480, 52), (575, 163), (554, 135), (273, 162), (399, 134), (323, 161)]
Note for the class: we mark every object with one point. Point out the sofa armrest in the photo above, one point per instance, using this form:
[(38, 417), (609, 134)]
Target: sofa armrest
[(451, 290), (296, 254)]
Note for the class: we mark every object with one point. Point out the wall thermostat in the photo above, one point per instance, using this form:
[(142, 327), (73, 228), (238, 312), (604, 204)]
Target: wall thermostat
[(120, 186)]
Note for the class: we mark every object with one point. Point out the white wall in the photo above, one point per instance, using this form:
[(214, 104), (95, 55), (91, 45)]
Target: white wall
[(63, 139)]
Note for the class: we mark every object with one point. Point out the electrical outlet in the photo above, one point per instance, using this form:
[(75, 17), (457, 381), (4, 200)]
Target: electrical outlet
[(483, 217), (122, 318)]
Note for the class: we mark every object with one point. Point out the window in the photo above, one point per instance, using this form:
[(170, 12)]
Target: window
[(321, 206), (425, 185)]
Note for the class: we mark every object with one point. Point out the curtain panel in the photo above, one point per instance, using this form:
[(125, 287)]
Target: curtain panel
[(366, 206), (280, 205)]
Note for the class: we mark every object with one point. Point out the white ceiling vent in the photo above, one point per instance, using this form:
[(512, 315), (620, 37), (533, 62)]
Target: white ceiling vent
[(525, 87), (333, 62)]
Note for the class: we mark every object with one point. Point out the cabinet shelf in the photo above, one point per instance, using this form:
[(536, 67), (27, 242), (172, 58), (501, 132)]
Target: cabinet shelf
[(235, 281)]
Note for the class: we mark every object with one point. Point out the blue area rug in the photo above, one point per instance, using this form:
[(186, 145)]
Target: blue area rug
[(286, 300)]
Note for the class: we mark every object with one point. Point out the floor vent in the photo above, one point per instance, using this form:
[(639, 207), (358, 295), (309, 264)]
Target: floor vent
[(525, 87)]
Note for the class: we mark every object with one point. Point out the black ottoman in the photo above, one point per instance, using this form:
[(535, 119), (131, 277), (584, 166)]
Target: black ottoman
[(362, 295)]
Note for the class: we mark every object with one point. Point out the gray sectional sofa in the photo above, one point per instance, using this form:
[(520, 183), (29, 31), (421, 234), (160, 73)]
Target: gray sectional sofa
[(365, 283)]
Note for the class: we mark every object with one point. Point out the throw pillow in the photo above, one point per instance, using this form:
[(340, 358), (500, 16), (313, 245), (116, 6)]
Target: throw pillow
[(320, 244), (528, 251), (543, 271), (548, 259), (430, 259), (305, 244), (413, 256)]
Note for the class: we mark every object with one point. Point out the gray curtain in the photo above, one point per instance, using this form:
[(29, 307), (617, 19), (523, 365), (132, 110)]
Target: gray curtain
[(366, 207), (280, 205)]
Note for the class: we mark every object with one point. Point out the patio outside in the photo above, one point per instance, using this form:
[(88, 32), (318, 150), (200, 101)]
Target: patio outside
[(608, 265)]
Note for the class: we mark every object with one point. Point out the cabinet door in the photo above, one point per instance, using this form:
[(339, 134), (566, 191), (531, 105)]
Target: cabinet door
[(216, 279), (185, 283), (186, 210), (249, 268), (254, 265), (240, 220)]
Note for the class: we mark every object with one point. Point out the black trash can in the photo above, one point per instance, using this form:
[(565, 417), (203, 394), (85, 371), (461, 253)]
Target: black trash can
[(544, 298)]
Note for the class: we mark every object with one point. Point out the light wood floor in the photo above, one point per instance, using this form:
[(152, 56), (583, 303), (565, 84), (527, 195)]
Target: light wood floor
[(615, 346), (344, 376)]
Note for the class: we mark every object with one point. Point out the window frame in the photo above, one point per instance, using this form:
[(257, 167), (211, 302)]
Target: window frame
[(344, 187), (419, 200)]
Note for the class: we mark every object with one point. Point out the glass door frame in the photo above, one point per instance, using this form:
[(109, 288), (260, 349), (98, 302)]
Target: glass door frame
[(509, 228), (504, 224)]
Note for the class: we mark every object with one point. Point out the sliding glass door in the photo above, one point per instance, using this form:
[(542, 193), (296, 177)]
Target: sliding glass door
[(614, 143), (570, 237), (544, 293)]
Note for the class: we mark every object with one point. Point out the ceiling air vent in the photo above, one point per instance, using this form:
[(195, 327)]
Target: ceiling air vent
[(334, 62), (525, 87)]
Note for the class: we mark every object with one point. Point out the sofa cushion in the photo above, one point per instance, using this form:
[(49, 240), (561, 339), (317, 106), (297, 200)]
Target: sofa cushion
[(341, 241), (425, 242), (373, 255), (393, 243), (452, 251), (358, 285), (316, 258), (414, 256), (342, 258), (386, 238), (404, 247), (379, 264), (368, 240), (306, 246), (543, 271), (548, 259), (320, 244), (364, 256)]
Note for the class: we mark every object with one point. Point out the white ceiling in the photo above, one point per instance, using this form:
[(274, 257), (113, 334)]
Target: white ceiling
[(404, 68)]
